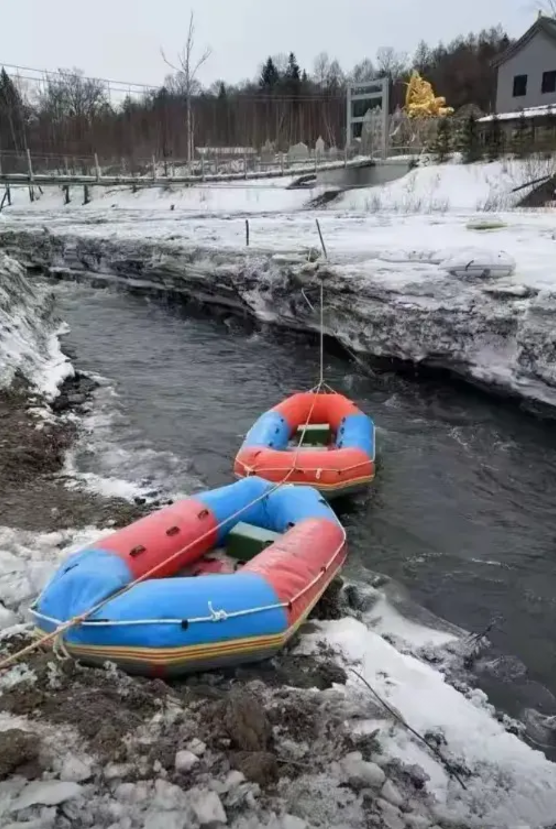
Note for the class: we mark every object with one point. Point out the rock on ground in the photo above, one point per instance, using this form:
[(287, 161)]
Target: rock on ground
[(126, 753)]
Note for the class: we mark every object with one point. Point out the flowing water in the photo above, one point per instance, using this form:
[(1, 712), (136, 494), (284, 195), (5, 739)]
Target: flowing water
[(462, 515)]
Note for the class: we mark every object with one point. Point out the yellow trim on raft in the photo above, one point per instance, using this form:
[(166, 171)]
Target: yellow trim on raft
[(174, 656), (195, 651)]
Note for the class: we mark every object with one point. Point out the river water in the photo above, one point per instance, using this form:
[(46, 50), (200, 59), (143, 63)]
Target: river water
[(462, 516)]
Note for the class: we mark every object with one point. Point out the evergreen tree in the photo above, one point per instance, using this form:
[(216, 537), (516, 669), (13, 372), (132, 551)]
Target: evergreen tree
[(442, 145), (522, 138), (292, 77), (293, 72), (11, 114), (469, 141), (270, 76), (494, 139), (551, 129), (292, 88)]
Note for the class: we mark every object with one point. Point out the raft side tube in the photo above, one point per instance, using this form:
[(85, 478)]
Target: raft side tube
[(357, 432), (141, 617), (270, 429), (85, 579), (154, 540), (298, 564), (247, 499)]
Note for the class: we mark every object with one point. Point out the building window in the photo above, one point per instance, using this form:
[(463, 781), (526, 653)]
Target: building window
[(549, 81), (520, 86)]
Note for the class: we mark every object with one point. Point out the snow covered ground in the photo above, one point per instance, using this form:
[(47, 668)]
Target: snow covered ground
[(29, 343), (386, 294), (385, 772), (388, 290)]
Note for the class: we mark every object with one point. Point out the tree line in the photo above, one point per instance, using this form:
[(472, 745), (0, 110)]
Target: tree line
[(71, 116)]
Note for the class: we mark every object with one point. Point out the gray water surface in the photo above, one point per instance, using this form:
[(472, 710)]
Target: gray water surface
[(463, 510)]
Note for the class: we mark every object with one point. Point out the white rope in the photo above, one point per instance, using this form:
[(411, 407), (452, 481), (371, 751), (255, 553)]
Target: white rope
[(321, 356), (216, 615), (59, 648)]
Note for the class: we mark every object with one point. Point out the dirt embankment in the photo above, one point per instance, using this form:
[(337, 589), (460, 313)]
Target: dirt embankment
[(32, 452), (254, 747)]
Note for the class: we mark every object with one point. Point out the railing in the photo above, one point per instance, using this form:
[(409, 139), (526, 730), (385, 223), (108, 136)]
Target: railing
[(34, 165), (25, 167)]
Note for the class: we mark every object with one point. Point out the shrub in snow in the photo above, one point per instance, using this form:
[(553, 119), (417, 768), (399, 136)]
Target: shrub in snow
[(442, 144), (494, 139), (469, 141), (522, 137)]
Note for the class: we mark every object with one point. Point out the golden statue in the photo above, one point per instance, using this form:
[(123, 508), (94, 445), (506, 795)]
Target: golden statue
[(421, 102)]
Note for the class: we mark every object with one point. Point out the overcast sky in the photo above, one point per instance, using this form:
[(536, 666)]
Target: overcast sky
[(121, 39)]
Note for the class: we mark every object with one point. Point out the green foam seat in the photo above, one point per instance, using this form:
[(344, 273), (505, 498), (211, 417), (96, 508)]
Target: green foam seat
[(316, 434), (245, 541)]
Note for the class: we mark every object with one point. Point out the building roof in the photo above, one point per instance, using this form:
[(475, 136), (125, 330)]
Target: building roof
[(542, 25), (529, 112)]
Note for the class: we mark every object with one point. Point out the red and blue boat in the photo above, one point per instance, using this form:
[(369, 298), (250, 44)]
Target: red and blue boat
[(233, 573), (317, 438)]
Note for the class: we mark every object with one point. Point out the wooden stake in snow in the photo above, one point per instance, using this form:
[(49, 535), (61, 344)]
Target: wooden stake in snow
[(30, 173)]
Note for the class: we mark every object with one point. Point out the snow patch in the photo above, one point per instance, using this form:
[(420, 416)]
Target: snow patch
[(29, 333), (507, 783), (452, 187), (45, 793), (28, 560), (493, 331)]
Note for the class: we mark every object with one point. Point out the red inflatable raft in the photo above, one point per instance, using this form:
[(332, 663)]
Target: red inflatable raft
[(316, 438)]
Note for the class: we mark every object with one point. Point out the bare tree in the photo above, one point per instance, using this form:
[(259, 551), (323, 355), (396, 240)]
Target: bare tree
[(327, 73), (321, 68), (280, 61), (69, 93), (186, 77), (391, 64), (363, 71)]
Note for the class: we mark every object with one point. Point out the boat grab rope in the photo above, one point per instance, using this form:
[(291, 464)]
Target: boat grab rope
[(56, 636)]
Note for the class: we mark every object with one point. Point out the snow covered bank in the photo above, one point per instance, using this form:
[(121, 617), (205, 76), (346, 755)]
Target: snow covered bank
[(299, 743), (27, 561), (507, 784), (387, 293), (243, 197), (453, 187), (29, 344)]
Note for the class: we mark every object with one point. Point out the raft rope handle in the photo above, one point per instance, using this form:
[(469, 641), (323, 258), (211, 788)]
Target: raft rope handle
[(216, 615), (57, 635)]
